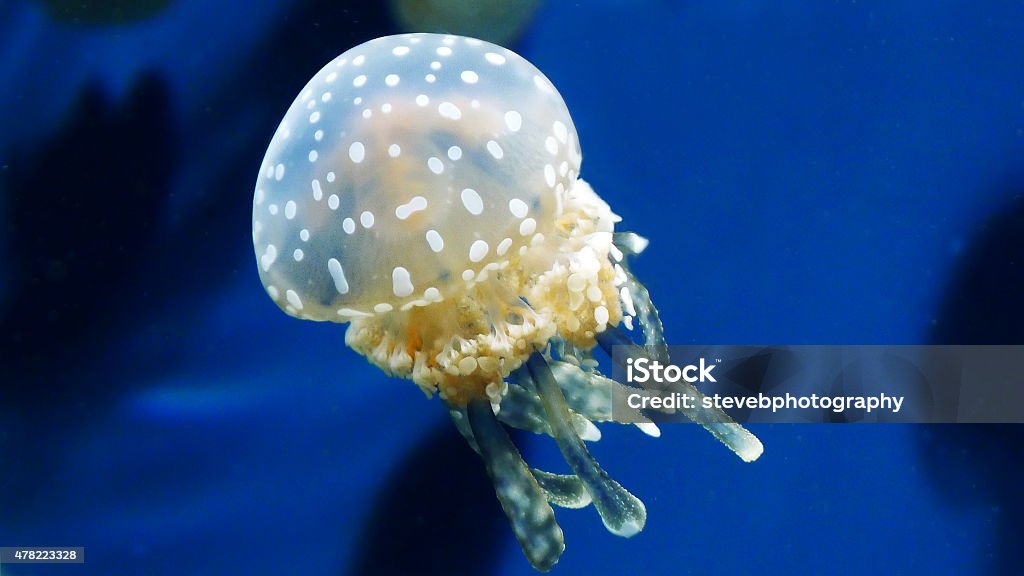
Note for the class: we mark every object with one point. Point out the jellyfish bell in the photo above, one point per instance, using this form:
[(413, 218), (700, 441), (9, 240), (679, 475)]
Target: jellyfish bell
[(433, 199), (424, 188)]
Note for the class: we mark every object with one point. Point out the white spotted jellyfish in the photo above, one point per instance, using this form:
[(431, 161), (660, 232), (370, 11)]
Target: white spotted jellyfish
[(425, 189)]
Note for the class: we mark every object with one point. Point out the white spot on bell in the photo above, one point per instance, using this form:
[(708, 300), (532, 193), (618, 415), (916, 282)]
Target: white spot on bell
[(356, 152), (401, 283), (338, 275), (550, 145), (513, 120), (478, 251), (495, 149), (472, 201), (269, 255), (435, 241), (293, 299), (403, 211), (449, 110), (435, 165), (518, 208), (527, 226), (561, 132)]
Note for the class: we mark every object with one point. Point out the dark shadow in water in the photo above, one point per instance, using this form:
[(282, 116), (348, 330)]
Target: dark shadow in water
[(82, 214), (436, 514), (981, 464), (83, 210), (85, 207)]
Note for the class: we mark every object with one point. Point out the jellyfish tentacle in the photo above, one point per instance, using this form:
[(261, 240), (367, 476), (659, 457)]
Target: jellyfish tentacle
[(573, 354), (639, 298), (630, 243), (461, 420), (585, 392), (521, 497), (647, 316), (714, 420), (591, 394), (597, 397), (563, 490), (614, 336), (522, 409), (622, 513)]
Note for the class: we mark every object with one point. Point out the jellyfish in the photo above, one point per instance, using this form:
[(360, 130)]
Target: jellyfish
[(425, 190)]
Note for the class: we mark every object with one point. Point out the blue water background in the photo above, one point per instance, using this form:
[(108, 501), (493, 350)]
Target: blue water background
[(809, 172)]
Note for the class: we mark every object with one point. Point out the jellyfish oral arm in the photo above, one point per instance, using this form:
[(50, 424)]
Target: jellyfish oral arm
[(622, 513), (636, 297), (521, 497), (733, 435)]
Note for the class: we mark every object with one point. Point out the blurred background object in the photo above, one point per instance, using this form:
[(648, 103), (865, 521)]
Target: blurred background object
[(498, 21)]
